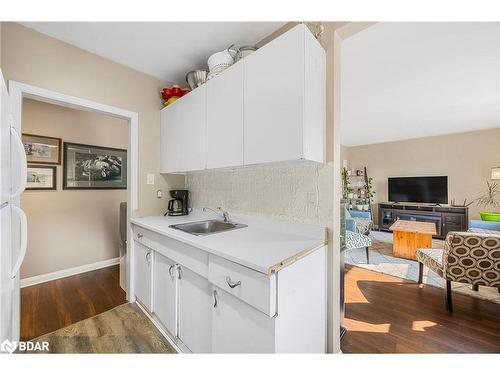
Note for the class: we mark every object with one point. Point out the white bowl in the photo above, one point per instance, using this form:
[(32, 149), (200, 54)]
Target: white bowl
[(217, 58)]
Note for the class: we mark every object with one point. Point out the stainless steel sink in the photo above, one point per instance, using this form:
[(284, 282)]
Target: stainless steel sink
[(202, 228)]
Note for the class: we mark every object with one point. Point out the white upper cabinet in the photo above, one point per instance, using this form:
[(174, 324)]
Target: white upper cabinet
[(183, 133), (267, 108), (285, 100), (274, 100), (225, 119)]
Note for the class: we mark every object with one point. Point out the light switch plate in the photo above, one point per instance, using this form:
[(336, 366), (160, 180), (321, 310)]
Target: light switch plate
[(150, 179)]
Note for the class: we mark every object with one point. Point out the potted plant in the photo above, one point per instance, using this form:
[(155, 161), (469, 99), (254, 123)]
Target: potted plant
[(362, 205), (347, 190), (490, 199), (369, 193)]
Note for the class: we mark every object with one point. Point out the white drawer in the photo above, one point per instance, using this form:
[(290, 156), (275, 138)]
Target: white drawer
[(255, 288), (188, 256)]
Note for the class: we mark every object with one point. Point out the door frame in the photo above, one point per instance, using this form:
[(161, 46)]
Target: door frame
[(18, 91)]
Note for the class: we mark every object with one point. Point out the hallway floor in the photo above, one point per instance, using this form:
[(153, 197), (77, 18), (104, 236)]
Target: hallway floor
[(55, 304)]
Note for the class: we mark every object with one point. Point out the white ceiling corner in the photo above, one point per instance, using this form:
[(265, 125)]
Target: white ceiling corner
[(165, 50), (411, 80)]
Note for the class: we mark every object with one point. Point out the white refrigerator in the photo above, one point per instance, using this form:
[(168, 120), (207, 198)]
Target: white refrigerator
[(13, 225)]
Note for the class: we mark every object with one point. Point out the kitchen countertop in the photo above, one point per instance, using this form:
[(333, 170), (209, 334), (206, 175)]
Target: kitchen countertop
[(266, 245)]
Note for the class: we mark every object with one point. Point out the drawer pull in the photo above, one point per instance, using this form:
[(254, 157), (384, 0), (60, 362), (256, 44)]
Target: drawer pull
[(215, 298), (231, 284), (140, 235)]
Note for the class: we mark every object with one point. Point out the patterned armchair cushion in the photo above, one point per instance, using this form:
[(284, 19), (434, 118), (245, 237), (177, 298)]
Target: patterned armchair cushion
[(356, 241), (363, 225), (472, 258), (432, 258)]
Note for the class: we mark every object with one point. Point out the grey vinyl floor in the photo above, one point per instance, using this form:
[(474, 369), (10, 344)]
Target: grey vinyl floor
[(124, 329)]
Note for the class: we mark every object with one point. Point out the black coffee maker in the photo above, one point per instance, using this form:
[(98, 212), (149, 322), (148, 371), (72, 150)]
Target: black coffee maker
[(178, 205)]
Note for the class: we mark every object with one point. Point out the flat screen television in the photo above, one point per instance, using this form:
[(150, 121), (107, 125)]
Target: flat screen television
[(432, 189)]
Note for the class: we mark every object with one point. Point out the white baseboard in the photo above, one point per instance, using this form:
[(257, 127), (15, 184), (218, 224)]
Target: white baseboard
[(68, 272)]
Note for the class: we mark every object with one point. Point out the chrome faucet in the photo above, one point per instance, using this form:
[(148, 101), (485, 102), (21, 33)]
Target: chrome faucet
[(224, 213)]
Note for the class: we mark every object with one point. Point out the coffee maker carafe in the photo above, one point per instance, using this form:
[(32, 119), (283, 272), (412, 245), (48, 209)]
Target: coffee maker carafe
[(178, 205)]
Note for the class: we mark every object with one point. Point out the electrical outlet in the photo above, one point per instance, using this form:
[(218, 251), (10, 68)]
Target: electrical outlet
[(150, 179), (159, 194)]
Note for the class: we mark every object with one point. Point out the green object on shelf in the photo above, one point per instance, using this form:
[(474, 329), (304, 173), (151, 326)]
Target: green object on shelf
[(490, 216)]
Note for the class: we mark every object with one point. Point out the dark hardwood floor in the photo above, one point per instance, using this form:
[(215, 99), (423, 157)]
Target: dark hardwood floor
[(385, 314), (56, 304)]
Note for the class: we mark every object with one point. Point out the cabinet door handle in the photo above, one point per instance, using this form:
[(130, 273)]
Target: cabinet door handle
[(179, 272), (215, 298), (170, 269), (148, 255), (139, 235), (231, 284)]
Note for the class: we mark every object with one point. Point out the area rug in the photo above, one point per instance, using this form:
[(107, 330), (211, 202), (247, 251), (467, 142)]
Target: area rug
[(381, 260), (124, 329)]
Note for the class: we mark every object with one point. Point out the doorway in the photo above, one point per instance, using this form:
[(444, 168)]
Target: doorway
[(75, 189), (20, 91)]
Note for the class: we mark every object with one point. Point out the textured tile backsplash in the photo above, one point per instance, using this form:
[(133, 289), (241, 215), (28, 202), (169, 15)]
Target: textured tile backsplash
[(300, 193)]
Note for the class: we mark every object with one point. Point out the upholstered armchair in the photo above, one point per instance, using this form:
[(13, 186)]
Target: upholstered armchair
[(471, 258)]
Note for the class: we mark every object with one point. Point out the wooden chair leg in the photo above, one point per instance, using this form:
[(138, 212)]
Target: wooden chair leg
[(475, 288), (367, 255), (420, 272), (449, 302)]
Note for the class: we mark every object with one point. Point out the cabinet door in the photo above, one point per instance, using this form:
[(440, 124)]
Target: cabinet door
[(195, 303), (238, 327), (143, 274), (170, 153), (191, 135), (183, 133), (165, 292), (274, 100), (225, 118), (453, 223)]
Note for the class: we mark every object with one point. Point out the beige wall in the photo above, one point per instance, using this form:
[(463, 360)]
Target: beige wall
[(69, 228), (36, 59), (466, 158)]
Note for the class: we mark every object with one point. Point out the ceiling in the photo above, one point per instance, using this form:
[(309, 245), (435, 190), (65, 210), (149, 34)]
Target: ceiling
[(166, 50), (412, 80)]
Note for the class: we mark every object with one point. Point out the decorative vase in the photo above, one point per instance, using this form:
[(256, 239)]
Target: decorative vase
[(490, 216)]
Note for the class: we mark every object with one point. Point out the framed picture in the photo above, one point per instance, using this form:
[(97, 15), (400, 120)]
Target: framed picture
[(94, 167), (41, 177), (42, 150)]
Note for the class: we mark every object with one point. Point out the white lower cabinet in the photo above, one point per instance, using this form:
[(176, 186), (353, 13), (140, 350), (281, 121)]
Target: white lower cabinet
[(143, 274), (238, 327), (209, 304), (165, 292), (195, 311)]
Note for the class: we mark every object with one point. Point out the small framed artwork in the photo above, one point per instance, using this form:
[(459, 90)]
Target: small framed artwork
[(42, 150), (94, 167), (41, 177)]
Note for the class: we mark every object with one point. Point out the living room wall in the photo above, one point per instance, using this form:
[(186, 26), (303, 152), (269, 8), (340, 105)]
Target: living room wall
[(466, 158)]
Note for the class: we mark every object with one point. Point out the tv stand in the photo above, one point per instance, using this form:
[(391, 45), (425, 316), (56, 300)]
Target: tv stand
[(447, 218)]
